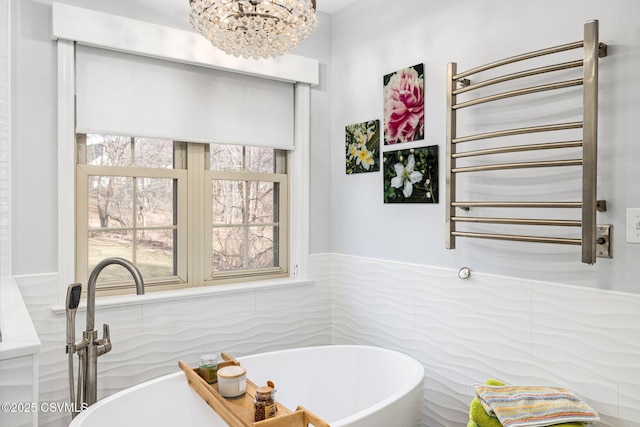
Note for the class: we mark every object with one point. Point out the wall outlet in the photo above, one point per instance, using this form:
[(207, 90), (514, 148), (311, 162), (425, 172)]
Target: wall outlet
[(633, 225)]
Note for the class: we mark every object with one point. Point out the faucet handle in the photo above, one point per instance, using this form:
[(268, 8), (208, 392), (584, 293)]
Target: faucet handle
[(106, 336), (104, 345)]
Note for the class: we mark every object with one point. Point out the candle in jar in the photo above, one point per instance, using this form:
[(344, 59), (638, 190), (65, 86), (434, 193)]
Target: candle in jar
[(232, 381)]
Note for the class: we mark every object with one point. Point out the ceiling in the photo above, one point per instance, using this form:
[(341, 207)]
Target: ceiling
[(332, 6)]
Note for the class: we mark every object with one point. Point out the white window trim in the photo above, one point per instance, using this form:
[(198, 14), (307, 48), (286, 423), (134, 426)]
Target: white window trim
[(77, 25), (92, 28)]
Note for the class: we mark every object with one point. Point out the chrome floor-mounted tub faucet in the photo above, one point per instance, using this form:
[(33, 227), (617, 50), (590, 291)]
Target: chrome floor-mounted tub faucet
[(90, 347)]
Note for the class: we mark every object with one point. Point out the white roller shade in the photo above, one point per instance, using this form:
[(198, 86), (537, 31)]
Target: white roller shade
[(133, 95)]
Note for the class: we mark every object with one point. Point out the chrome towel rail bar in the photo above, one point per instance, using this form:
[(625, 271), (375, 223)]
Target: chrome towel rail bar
[(517, 58), (519, 165), (519, 131), (524, 91), (517, 148), (521, 221), (458, 83), (519, 75), (601, 205), (516, 238)]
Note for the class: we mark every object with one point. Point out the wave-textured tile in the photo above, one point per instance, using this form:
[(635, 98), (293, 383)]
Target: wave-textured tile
[(629, 406), (590, 330), (461, 331), (148, 340), (490, 326), (16, 389), (205, 308)]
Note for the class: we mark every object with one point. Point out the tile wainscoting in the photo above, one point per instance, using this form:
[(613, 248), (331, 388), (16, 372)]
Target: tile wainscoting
[(466, 331), (463, 331), (149, 339)]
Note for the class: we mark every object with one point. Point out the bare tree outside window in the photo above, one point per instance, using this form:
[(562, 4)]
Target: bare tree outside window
[(143, 199), (245, 221), (131, 216)]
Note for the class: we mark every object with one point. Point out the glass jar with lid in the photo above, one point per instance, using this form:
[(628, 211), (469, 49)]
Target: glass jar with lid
[(265, 403), (208, 368)]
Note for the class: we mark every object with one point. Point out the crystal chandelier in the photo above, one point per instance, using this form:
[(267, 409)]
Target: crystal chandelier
[(254, 28)]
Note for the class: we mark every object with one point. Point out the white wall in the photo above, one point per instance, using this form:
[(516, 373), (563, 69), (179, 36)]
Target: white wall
[(5, 149), (318, 46), (34, 184), (406, 32)]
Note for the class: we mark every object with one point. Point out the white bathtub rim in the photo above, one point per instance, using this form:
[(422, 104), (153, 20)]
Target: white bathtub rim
[(416, 381), (122, 393)]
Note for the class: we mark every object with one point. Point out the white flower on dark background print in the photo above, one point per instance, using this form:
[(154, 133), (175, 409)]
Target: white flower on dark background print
[(406, 176), (411, 176)]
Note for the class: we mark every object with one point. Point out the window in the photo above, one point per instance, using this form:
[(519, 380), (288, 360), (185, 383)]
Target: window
[(247, 215), (186, 214), (110, 86)]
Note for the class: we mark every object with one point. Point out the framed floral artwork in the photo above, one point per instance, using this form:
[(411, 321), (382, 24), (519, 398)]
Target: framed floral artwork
[(411, 176), (403, 99), (362, 141)]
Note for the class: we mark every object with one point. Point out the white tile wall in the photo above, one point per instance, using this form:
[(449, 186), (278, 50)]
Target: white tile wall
[(149, 339), (17, 389), (588, 330), (462, 331), (466, 331)]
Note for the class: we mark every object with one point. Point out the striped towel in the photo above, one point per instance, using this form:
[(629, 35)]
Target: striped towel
[(533, 406)]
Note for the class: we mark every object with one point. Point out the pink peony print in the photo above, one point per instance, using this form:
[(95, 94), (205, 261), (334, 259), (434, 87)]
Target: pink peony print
[(404, 105)]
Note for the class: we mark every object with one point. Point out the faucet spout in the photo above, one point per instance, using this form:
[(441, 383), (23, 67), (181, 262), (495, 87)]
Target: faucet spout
[(91, 347), (93, 279)]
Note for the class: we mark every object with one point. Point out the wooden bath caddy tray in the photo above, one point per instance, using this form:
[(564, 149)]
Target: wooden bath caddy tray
[(240, 412)]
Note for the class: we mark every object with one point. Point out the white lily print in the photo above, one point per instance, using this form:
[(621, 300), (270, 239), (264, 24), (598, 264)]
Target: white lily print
[(406, 176)]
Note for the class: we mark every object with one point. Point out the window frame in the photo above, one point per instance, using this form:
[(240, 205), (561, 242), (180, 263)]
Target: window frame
[(279, 271), (193, 246), (84, 171), (302, 72)]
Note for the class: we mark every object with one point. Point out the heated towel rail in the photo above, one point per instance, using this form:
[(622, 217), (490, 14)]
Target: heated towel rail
[(458, 83)]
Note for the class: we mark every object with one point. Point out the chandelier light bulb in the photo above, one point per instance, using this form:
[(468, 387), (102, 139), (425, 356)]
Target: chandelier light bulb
[(254, 28)]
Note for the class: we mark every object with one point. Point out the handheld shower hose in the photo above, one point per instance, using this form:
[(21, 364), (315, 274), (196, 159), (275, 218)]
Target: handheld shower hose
[(73, 301)]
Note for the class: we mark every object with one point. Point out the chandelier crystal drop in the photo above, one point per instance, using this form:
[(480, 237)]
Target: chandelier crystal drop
[(254, 28)]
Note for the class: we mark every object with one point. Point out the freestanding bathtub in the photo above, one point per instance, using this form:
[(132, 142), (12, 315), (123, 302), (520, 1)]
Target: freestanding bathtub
[(344, 385)]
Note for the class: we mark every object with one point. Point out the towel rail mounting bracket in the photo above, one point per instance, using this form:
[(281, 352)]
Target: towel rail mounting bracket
[(603, 241), (601, 205)]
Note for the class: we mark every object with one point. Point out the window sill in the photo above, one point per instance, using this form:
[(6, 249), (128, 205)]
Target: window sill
[(188, 293)]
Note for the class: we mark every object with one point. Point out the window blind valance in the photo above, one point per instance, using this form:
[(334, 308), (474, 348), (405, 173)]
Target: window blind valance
[(133, 95)]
